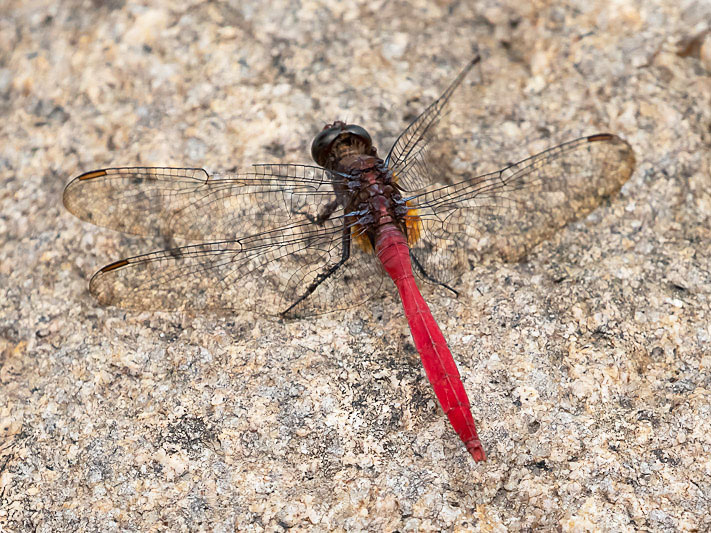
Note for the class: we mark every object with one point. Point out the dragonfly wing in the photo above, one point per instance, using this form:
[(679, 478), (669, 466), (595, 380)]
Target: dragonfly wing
[(190, 204), (506, 213), (412, 159), (266, 273)]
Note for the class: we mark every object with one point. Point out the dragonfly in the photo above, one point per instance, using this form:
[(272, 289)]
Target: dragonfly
[(294, 240)]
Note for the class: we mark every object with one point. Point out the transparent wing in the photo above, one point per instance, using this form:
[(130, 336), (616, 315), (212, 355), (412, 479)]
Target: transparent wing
[(280, 237), (412, 158), (190, 204), (506, 213), (282, 272)]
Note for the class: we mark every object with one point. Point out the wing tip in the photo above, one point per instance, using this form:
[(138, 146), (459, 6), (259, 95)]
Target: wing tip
[(625, 149), (113, 266), (91, 175), (474, 60), (103, 296), (601, 137)]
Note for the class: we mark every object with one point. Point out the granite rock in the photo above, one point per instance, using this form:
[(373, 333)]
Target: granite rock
[(588, 364)]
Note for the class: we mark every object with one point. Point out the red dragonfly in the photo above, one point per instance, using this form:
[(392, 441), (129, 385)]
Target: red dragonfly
[(296, 240)]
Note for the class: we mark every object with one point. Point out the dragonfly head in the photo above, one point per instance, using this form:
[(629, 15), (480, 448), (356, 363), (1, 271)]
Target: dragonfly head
[(339, 139)]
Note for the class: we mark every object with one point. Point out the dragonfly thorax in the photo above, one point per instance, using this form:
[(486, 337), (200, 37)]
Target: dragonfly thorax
[(374, 199)]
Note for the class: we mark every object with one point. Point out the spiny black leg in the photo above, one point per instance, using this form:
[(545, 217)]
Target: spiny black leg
[(429, 278), (323, 276)]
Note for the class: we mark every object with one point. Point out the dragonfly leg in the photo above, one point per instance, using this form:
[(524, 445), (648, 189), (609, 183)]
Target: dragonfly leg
[(327, 273), (429, 278)]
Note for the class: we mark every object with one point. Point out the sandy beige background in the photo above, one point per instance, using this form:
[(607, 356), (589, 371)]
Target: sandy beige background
[(589, 364)]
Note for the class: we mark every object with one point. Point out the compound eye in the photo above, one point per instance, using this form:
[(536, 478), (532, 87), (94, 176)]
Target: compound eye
[(360, 132), (322, 142)]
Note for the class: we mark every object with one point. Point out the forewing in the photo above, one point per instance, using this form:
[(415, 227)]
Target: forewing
[(414, 158), (190, 204), (506, 213)]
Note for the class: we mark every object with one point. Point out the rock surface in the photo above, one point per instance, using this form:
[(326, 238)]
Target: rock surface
[(589, 364)]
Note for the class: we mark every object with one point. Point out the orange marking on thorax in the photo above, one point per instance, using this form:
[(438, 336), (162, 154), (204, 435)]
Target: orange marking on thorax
[(413, 223), (361, 238)]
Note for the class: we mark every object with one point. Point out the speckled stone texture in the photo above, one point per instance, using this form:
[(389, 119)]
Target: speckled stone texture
[(589, 363)]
